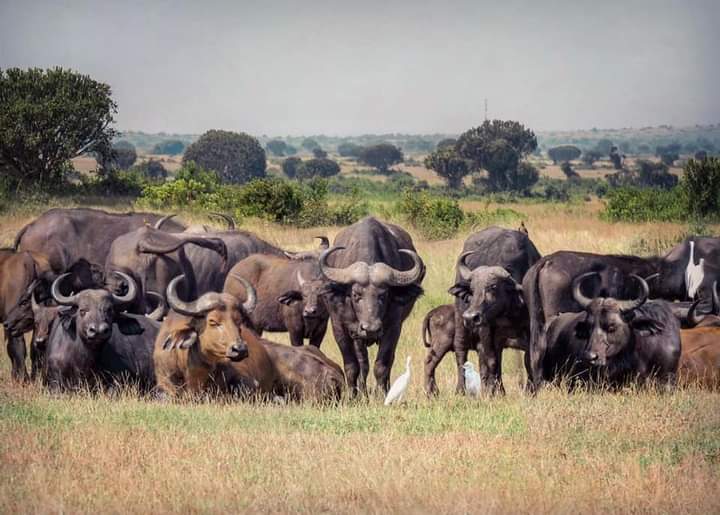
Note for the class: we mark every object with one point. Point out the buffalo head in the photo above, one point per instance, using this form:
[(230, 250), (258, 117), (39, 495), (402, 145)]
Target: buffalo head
[(368, 288), (93, 311), (609, 323), (309, 292), (19, 319), (211, 323), (487, 292)]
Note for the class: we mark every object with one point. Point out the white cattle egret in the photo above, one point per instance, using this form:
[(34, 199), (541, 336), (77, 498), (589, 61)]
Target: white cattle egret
[(694, 273), (397, 390), (472, 379)]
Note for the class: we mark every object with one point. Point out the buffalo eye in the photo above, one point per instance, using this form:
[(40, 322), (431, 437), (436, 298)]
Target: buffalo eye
[(213, 323), (611, 328), (83, 312)]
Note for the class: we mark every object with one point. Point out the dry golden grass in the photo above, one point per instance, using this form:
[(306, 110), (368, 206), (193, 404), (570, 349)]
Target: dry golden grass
[(632, 451)]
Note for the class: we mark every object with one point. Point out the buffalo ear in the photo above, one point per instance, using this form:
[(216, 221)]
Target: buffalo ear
[(289, 297), (646, 326), (460, 290), (128, 326), (67, 318)]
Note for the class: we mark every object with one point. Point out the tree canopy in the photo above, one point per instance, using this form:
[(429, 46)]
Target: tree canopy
[(318, 167), (236, 157), (172, 147), (349, 149), (448, 165), (124, 155), (564, 153), (381, 156), (47, 117), (277, 147)]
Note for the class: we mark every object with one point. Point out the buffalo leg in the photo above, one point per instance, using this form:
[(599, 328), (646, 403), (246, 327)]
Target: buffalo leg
[(489, 360), (350, 363), (296, 338), (16, 350), (432, 360), (537, 350), (318, 334), (361, 354), (461, 353), (386, 357)]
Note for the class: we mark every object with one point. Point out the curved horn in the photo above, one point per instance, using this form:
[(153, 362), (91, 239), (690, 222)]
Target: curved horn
[(33, 302), (405, 277), (338, 275), (652, 277), (629, 305), (577, 290), (159, 311), (462, 268), (300, 280), (192, 309), (229, 219), (161, 221), (132, 289), (59, 297), (692, 316), (251, 300), (324, 242)]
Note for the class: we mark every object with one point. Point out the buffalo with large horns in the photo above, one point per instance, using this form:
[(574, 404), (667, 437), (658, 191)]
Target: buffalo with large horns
[(374, 277)]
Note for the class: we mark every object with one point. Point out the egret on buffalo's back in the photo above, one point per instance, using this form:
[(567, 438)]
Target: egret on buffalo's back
[(397, 390)]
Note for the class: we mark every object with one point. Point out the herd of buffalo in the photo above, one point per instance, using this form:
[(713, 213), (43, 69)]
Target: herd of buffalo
[(139, 298)]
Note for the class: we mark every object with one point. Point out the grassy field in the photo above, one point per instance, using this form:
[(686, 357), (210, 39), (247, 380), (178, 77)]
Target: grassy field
[(632, 451)]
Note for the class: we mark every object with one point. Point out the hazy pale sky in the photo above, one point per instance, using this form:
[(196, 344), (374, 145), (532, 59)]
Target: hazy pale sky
[(346, 68)]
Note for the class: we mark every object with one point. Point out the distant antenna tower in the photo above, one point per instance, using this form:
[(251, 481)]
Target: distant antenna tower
[(486, 109)]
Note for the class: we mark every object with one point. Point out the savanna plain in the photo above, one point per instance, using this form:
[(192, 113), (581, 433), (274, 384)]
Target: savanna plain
[(633, 451)]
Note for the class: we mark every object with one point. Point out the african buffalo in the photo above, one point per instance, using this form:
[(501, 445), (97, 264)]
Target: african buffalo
[(547, 289), (92, 343), (489, 305), (374, 279), (305, 373), (613, 341), (79, 239), (198, 336), (20, 274), (670, 282), (700, 358), (289, 296)]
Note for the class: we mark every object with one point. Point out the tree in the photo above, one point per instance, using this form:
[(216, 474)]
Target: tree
[(653, 174), (381, 156), (321, 167), (349, 149), (564, 153), (590, 156), (604, 146), (567, 169), (498, 146), (236, 157), (310, 144), (523, 177), (153, 169), (171, 147), (319, 153), (48, 117), (290, 166), (277, 147), (448, 165), (701, 182), (123, 155), (446, 143), (616, 158)]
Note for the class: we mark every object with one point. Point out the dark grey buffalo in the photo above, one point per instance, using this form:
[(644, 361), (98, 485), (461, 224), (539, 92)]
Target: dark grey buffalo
[(547, 289), (290, 296), (153, 258), (78, 240), (93, 343), (374, 277), (490, 311), (613, 341), (670, 281)]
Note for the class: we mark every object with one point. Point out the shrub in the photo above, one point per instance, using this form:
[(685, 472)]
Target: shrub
[(152, 169), (172, 147), (590, 156), (192, 187), (435, 218), (319, 153), (632, 204), (701, 184), (317, 168), (272, 199), (349, 150), (277, 147), (235, 157)]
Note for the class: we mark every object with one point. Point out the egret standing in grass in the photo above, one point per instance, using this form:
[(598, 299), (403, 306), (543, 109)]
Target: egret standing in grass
[(694, 274), (397, 390), (472, 380)]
